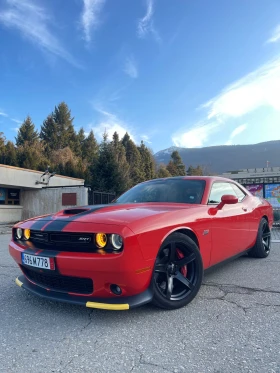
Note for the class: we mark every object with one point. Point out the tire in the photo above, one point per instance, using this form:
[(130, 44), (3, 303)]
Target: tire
[(178, 272), (262, 246)]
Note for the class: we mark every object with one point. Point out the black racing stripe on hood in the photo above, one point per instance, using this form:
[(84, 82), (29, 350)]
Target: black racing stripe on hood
[(39, 224), (57, 225)]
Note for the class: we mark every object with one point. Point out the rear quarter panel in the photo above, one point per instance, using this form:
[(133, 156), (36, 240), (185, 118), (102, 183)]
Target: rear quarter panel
[(260, 208)]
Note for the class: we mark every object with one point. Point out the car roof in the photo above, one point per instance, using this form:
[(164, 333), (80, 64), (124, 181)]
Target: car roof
[(206, 178)]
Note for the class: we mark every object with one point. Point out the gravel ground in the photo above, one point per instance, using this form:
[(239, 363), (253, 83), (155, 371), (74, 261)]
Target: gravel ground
[(231, 326)]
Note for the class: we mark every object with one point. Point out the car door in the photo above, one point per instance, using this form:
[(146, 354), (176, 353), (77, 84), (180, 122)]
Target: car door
[(229, 224)]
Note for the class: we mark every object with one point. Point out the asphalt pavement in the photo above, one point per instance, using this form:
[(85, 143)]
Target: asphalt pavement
[(233, 325)]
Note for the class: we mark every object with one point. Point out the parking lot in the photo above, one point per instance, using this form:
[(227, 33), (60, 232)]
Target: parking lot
[(232, 326)]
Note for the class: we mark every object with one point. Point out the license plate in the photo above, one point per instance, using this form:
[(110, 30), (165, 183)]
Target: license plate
[(37, 261)]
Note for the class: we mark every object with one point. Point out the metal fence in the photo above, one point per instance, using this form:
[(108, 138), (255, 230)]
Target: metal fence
[(276, 215), (100, 198)]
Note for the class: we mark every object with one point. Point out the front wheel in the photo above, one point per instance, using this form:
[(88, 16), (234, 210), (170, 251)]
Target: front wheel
[(178, 272)]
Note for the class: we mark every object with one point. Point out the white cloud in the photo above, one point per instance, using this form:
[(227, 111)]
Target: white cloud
[(90, 16), (260, 88), (236, 132), (130, 67), (275, 37), (3, 114), (16, 120), (146, 24), (33, 23), (110, 123), (195, 136), (146, 139)]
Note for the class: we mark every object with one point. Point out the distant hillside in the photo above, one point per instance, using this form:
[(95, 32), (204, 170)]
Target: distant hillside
[(219, 159)]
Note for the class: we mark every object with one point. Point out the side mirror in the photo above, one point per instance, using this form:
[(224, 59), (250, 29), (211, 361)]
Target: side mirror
[(227, 199)]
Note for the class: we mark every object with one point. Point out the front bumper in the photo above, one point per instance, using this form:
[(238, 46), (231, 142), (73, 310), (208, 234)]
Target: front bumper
[(114, 304), (129, 270)]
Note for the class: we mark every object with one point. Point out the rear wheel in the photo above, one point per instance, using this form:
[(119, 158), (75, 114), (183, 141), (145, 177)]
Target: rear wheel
[(177, 273), (262, 246)]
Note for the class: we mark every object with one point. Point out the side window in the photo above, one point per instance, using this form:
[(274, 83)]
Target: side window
[(218, 190), (240, 194)]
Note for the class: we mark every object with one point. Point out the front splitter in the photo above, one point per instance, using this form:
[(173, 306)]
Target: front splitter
[(113, 304)]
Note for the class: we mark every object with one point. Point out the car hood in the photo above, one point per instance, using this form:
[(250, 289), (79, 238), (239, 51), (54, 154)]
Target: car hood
[(117, 214)]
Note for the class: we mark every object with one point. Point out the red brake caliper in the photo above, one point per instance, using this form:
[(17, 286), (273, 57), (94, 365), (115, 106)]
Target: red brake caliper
[(180, 255)]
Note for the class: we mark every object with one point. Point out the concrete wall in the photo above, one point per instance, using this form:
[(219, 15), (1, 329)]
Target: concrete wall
[(10, 214), (24, 178), (49, 200)]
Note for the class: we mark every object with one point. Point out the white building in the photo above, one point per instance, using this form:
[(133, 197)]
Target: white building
[(27, 193), (255, 175)]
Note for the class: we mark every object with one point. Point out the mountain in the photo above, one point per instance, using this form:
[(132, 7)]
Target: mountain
[(219, 159)]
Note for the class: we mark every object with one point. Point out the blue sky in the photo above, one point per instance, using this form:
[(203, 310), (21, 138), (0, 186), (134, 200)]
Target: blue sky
[(189, 73)]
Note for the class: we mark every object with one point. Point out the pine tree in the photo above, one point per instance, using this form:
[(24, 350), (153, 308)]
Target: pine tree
[(122, 176), (133, 157), (80, 141), (32, 156), (66, 135), (163, 172), (90, 148), (10, 154), (27, 133), (195, 171), (49, 134), (148, 161), (2, 147), (176, 166), (105, 170)]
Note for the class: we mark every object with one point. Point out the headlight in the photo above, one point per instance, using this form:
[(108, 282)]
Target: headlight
[(101, 240), (26, 234), (117, 241), (19, 233)]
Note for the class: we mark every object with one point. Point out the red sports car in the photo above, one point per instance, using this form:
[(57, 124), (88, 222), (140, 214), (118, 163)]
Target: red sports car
[(152, 244)]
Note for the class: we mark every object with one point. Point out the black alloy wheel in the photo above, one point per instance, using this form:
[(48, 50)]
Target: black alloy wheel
[(262, 246), (178, 272)]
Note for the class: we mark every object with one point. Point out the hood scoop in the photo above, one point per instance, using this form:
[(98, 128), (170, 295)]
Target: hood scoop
[(74, 211)]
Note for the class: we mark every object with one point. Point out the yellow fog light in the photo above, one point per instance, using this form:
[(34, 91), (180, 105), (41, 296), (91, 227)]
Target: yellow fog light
[(101, 240), (26, 234)]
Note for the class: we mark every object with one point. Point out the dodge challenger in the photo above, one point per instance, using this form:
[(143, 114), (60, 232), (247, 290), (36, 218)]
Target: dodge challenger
[(152, 244)]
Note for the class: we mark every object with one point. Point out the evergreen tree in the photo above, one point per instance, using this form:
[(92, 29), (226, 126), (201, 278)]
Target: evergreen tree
[(176, 166), (147, 161), (122, 176), (133, 157), (66, 135), (105, 170), (2, 147), (32, 156), (27, 133), (80, 141), (163, 172), (195, 171), (49, 134), (90, 148), (81, 135), (10, 154)]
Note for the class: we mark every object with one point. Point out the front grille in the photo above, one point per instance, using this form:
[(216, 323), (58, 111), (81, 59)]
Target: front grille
[(64, 241), (71, 238), (38, 236), (60, 283)]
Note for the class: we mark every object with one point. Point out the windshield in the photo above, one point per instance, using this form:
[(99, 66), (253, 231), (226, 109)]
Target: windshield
[(174, 191)]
